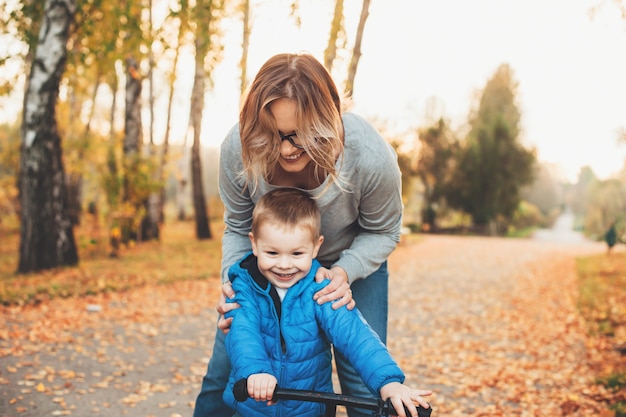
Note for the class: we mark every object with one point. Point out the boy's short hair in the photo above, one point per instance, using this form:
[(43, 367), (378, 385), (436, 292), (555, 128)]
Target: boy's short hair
[(287, 207)]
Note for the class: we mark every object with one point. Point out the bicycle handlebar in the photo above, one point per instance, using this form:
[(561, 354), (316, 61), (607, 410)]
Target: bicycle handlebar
[(382, 408)]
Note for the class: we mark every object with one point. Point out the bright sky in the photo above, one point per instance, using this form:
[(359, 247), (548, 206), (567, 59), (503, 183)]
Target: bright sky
[(571, 69)]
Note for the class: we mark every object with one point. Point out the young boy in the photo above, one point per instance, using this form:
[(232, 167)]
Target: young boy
[(280, 336)]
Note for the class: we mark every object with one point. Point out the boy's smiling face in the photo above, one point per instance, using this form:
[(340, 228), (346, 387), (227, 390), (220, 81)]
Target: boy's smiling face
[(284, 253)]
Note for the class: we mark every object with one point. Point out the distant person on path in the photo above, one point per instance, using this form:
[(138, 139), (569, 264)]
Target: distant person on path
[(280, 336), (292, 133), (610, 238)]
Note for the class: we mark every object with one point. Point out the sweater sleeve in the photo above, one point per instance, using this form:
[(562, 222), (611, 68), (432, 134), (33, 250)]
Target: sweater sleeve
[(379, 188), (237, 202), (355, 339)]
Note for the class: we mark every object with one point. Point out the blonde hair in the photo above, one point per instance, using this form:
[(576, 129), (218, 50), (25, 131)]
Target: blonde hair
[(303, 79), (288, 208)]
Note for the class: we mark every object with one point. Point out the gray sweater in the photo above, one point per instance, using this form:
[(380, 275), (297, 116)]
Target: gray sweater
[(361, 223)]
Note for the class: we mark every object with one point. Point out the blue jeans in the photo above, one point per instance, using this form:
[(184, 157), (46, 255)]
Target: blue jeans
[(371, 296)]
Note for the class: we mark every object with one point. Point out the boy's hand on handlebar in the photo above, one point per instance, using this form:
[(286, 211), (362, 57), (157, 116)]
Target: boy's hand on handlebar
[(338, 290), (261, 387), (224, 307), (402, 396)]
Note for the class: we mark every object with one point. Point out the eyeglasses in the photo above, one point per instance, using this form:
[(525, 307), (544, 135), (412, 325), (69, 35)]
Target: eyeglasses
[(290, 139)]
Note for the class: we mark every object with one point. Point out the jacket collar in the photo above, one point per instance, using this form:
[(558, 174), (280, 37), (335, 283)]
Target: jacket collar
[(250, 264)]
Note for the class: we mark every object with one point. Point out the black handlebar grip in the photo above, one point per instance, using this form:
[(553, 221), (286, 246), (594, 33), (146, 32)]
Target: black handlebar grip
[(240, 390), (424, 412), (388, 409)]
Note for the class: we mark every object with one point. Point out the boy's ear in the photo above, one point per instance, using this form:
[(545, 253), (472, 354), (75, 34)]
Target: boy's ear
[(318, 245), (252, 242)]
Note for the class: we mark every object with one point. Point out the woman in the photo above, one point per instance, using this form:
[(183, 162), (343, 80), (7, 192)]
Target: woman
[(292, 133)]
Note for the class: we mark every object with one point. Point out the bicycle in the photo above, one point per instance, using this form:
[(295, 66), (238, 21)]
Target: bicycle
[(379, 407)]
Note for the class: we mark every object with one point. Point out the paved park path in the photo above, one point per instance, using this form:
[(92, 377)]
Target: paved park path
[(489, 324)]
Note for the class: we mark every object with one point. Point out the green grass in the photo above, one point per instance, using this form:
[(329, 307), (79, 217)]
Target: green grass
[(602, 292), (602, 303), (521, 233), (177, 256)]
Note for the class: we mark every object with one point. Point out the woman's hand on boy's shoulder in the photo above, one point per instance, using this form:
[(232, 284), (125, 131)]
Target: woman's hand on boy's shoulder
[(223, 307), (338, 290)]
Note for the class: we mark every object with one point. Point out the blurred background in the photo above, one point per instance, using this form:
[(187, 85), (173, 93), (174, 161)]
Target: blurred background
[(505, 115)]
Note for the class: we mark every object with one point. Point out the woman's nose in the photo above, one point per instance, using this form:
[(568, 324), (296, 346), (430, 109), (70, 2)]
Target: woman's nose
[(284, 147), (287, 148)]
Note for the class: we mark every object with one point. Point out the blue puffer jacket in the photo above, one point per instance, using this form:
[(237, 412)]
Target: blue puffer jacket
[(295, 346)]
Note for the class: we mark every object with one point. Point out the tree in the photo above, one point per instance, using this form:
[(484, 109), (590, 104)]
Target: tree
[(182, 16), (46, 236), (434, 164), (356, 52), (336, 27), (245, 45), (132, 118), (605, 205), (208, 52), (137, 183), (9, 169), (545, 192), (492, 165), (406, 166), (203, 230), (336, 33), (578, 195), (89, 59)]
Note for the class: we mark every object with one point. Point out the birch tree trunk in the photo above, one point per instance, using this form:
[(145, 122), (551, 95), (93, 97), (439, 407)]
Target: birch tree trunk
[(132, 118), (131, 148), (149, 228), (46, 235)]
